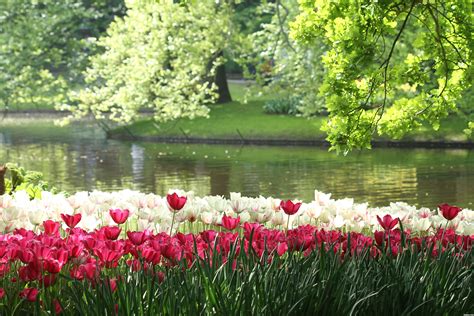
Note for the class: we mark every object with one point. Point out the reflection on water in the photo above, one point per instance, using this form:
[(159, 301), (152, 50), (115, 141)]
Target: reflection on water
[(80, 158)]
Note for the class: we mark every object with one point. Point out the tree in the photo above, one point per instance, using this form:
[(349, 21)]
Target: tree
[(162, 55), (391, 65), (283, 66), (45, 44)]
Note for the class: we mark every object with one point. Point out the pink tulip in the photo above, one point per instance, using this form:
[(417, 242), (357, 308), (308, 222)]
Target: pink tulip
[(112, 232), (379, 237), (57, 306), (449, 211), (29, 294), (176, 202), (51, 227), (119, 216), (71, 220), (137, 238), (230, 223), (208, 236), (289, 207), (387, 222), (48, 280)]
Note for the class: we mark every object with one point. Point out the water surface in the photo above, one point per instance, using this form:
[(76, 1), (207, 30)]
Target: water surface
[(80, 158)]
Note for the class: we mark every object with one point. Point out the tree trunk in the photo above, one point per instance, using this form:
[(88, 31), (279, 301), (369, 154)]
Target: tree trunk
[(3, 169), (221, 82)]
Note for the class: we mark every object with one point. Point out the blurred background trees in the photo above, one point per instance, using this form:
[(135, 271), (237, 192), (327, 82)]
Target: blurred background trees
[(45, 46)]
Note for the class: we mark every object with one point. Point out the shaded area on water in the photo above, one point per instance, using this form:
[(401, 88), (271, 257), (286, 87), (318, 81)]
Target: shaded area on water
[(80, 158)]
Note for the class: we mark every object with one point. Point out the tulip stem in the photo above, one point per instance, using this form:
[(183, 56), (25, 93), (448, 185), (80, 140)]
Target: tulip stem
[(172, 223), (288, 223), (442, 236)]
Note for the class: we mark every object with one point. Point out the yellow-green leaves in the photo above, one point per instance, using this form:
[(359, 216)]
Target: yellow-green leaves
[(390, 66), (162, 55)]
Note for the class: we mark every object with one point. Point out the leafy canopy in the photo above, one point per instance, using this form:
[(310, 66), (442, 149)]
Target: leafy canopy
[(391, 66), (289, 69), (44, 47), (162, 55)]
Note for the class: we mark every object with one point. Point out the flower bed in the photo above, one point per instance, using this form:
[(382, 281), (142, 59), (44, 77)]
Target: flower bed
[(228, 265), (149, 211)]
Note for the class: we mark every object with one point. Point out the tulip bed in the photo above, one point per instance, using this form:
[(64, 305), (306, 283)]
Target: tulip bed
[(235, 267)]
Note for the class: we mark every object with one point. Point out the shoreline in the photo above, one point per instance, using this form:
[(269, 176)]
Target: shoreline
[(286, 142), (127, 135)]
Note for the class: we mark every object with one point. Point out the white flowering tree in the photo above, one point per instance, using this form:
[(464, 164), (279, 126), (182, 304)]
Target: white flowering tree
[(162, 56)]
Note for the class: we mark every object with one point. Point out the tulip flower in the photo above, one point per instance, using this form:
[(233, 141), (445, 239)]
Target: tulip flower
[(289, 207), (229, 222), (29, 294), (119, 216), (137, 238), (2, 293), (112, 232), (57, 306), (176, 202), (208, 236), (48, 280), (51, 227), (387, 223), (449, 211), (71, 220)]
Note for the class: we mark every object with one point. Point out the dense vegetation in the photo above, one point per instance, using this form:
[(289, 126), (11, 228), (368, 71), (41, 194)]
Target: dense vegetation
[(377, 67), (391, 65)]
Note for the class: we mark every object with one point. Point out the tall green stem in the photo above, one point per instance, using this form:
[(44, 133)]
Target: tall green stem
[(172, 223)]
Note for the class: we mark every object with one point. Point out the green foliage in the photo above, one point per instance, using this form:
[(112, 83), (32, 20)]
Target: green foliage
[(323, 283), (162, 55), (288, 105), (391, 65), (44, 47), (280, 64), (30, 181)]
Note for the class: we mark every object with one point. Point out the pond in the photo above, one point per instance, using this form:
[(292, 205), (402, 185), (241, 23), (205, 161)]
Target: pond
[(79, 157)]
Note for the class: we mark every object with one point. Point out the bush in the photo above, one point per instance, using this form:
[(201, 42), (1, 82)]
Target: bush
[(287, 105)]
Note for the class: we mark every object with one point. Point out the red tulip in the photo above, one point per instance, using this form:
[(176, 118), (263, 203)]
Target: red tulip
[(379, 237), (282, 248), (90, 270), (51, 227), (53, 266), (387, 223), (449, 211), (119, 216), (57, 306), (2, 293), (176, 202), (289, 207), (112, 232), (29, 294), (71, 220), (137, 238), (48, 280), (208, 235), (113, 284), (229, 222)]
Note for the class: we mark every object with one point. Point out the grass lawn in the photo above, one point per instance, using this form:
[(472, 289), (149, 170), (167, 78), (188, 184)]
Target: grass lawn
[(230, 119)]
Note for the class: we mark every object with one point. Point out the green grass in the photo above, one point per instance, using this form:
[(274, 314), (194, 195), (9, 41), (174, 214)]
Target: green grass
[(231, 119), (228, 120), (248, 119)]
